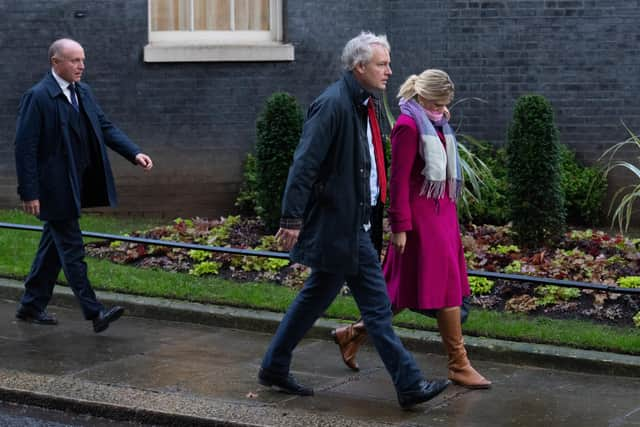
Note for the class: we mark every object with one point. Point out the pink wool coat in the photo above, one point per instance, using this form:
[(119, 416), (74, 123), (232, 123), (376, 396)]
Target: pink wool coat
[(431, 273)]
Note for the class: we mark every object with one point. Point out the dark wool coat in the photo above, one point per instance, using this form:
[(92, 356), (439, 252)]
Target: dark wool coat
[(44, 157), (327, 194)]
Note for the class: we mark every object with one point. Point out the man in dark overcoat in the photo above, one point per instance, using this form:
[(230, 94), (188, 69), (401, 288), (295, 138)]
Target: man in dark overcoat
[(62, 166), (335, 181)]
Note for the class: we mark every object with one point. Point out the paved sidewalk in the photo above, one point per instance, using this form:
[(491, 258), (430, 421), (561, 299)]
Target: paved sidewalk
[(184, 364)]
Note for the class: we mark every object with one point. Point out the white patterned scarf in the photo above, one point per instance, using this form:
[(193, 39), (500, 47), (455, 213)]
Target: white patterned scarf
[(441, 163)]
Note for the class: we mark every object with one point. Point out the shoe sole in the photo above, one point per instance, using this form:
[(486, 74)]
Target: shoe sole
[(408, 406), (473, 386), (31, 319), (269, 384)]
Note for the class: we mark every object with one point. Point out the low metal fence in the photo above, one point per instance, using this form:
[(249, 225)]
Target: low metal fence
[(533, 280)]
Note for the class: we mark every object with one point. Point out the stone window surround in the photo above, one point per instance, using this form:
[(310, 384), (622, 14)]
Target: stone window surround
[(241, 46)]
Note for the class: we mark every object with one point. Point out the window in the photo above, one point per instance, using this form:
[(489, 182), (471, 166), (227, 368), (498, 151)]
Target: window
[(216, 30)]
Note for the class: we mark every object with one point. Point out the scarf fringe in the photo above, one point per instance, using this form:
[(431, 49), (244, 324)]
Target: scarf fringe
[(442, 170), (436, 189)]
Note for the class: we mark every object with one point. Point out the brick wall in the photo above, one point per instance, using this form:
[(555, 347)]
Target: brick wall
[(197, 119)]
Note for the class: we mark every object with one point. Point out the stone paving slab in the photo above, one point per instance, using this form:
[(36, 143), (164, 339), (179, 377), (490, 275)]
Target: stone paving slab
[(185, 373)]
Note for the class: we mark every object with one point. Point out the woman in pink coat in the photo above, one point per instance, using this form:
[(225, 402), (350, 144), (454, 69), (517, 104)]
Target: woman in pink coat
[(425, 267)]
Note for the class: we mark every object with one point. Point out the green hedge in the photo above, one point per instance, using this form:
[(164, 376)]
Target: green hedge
[(534, 188)]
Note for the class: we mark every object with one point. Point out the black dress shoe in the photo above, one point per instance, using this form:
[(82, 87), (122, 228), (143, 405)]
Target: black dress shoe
[(425, 391), (105, 317), (35, 316), (286, 384)]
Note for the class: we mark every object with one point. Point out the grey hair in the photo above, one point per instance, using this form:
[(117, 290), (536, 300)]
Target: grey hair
[(358, 49), (58, 45)]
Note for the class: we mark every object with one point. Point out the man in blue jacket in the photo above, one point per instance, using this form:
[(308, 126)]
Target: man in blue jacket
[(336, 179), (62, 166)]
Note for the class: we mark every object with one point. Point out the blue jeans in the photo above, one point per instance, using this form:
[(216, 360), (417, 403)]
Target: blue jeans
[(370, 293), (61, 247)]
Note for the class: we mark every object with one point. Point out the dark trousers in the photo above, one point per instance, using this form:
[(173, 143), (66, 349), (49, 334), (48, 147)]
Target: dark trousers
[(370, 292), (61, 247)]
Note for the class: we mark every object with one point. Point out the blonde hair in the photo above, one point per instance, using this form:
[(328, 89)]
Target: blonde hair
[(431, 84)]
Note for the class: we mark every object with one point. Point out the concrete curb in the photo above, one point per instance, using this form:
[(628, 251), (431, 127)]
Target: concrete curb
[(143, 406), (479, 348), (112, 412)]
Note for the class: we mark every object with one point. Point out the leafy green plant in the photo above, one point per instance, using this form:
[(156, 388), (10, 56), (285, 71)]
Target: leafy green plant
[(491, 206), (573, 252), (636, 319), (278, 130), (533, 172), (550, 294), (185, 222), (205, 267), (624, 198), (616, 258), (480, 285), (246, 200), (514, 268), (261, 264), (503, 249), (199, 256), (629, 282), (584, 188), (219, 235)]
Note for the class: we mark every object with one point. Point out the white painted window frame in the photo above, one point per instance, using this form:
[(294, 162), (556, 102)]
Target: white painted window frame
[(227, 46)]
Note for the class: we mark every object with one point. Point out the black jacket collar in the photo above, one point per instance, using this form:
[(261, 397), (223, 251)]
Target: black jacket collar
[(357, 92)]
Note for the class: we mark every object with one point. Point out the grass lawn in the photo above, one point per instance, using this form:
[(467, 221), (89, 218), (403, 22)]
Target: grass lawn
[(17, 249)]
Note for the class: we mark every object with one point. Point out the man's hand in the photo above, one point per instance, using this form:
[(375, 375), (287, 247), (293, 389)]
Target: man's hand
[(31, 207), (399, 240), (287, 237), (144, 161)]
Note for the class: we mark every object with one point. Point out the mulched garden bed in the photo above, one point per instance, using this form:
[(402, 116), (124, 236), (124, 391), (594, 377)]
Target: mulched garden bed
[(582, 255)]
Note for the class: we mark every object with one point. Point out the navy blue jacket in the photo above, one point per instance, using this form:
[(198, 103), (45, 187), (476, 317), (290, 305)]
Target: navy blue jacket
[(44, 157), (327, 195)]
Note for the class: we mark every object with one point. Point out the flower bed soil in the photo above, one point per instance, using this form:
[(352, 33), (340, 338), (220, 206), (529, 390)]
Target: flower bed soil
[(581, 255)]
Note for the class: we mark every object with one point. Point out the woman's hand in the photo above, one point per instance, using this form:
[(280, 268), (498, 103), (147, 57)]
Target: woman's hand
[(399, 241)]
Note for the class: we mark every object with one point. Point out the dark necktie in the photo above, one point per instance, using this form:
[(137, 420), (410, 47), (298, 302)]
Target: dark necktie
[(74, 98), (378, 150)]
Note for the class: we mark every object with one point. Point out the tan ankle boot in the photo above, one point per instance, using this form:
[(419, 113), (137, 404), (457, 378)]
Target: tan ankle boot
[(349, 338), (460, 370)]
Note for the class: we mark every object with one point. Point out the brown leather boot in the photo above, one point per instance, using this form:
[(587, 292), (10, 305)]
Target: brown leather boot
[(460, 370), (350, 338)]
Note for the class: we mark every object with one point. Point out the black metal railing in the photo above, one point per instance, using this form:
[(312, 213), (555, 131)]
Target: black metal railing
[(283, 255)]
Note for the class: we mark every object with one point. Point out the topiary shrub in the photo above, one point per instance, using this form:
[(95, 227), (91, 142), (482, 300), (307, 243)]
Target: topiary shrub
[(246, 200), (533, 173), (278, 131), (585, 189)]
